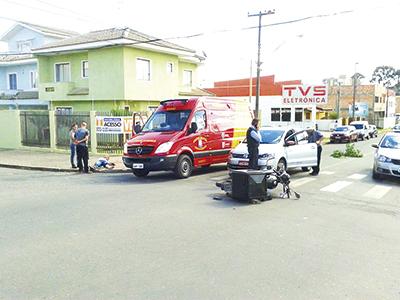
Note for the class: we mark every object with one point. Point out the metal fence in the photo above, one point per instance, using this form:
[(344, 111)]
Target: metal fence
[(63, 126), (35, 128)]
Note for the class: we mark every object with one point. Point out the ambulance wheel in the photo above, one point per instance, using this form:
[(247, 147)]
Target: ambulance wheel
[(184, 167), (140, 173)]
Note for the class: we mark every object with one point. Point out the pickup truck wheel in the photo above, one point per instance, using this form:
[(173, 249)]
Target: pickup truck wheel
[(184, 167), (305, 169), (141, 173), (281, 164)]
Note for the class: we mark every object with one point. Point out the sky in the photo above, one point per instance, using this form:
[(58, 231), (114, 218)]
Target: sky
[(320, 47)]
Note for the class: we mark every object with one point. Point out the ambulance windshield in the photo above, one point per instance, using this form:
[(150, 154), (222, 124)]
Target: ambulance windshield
[(167, 121)]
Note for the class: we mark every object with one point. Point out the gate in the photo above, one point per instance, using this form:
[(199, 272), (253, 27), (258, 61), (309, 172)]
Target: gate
[(112, 143), (63, 126), (35, 128)]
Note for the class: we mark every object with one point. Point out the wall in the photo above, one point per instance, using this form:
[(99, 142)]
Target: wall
[(105, 106), (23, 75), (10, 129), (23, 35), (161, 85), (106, 74), (47, 78)]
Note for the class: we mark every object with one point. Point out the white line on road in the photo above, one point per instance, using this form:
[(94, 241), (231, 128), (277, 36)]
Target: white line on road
[(301, 181), (357, 176), (326, 172), (378, 191), (337, 186)]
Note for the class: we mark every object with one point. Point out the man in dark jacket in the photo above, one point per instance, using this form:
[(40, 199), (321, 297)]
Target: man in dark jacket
[(315, 136), (253, 138), (81, 140)]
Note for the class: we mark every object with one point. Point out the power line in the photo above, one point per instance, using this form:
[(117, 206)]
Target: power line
[(45, 10)]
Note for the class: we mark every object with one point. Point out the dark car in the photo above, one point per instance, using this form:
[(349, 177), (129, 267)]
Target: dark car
[(344, 134)]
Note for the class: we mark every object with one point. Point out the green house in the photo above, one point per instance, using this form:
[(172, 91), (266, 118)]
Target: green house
[(115, 69)]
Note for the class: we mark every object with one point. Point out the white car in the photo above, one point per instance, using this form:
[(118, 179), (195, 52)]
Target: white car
[(387, 156), (396, 128), (282, 148), (362, 129)]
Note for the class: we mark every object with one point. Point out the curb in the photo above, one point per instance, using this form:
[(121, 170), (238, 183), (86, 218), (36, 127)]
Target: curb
[(58, 170)]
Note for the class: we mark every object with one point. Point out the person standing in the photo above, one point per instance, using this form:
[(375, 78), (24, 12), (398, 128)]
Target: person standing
[(81, 140), (72, 145), (314, 136), (253, 138)]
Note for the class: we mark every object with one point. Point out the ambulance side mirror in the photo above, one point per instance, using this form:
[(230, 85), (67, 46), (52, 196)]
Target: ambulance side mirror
[(193, 128)]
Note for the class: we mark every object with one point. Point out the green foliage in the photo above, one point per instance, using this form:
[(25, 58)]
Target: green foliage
[(388, 76), (333, 115), (351, 151), (337, 154)]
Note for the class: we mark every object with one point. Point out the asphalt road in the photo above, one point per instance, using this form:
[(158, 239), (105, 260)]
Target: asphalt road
[(113, 236)]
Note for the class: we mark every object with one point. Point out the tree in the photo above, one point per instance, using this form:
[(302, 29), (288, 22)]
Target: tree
[(388, 76)]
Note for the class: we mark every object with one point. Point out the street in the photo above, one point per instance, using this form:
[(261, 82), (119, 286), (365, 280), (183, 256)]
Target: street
[(115, 236)]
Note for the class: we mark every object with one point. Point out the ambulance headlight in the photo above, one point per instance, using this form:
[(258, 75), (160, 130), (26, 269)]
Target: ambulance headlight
[(164, 148)]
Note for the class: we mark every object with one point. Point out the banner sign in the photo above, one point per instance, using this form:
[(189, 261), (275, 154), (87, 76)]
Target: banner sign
[(361, 109), (114, 125), (304, 94)]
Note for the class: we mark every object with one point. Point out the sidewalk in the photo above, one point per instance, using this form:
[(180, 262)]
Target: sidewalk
[(39, 159)]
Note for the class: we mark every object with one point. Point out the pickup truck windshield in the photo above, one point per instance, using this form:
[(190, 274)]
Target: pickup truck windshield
[(167, 121)]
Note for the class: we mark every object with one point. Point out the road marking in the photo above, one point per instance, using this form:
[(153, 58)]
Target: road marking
[(357, 176), (326, 172), (378, 191), (301, 181), (337, 186)]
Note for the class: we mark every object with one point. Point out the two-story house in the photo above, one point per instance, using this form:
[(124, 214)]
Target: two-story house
[(18, 67), (115, 69)]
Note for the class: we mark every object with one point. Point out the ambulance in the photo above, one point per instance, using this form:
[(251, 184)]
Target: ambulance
[(183, 134)]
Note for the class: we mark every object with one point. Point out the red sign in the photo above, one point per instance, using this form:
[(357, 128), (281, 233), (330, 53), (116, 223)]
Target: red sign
[(304, 94)]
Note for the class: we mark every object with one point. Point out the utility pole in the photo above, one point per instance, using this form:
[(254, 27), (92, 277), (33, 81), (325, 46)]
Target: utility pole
[(259, 15)]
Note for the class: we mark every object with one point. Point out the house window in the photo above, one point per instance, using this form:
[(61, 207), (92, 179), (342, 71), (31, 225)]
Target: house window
[(170, 68), (33, 79), (85, 69), (62, 72), (187, 78), (142, 69), (24, 46), (12, 81), (61, 110)]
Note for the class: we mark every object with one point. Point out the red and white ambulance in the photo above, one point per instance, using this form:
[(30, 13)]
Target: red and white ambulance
[(183, 134)]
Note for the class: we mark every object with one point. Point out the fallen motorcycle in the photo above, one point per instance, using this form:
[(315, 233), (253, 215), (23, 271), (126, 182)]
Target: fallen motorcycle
[(250, 185)]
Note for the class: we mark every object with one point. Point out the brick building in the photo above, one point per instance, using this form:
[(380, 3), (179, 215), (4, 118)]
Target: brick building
[(381, 101)]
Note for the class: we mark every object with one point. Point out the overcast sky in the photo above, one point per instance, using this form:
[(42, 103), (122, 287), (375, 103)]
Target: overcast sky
[(309, 50)]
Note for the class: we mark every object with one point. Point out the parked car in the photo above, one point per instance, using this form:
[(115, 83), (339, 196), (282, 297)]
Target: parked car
[(396, 128), (361, 128), (387, 156), (281, 148), (372, 131), (183, 134), (344, 134)]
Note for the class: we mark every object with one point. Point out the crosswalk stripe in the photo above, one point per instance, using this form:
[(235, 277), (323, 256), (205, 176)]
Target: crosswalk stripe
[(357, 176), (326, 172), (301, 181), (378, 191), (337, 186)]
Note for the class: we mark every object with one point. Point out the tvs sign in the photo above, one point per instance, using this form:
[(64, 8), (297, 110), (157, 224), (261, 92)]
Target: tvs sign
[(304, 94)]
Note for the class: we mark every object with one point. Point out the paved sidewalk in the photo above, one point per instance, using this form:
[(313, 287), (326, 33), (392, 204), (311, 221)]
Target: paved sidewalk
[(39, 159)]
